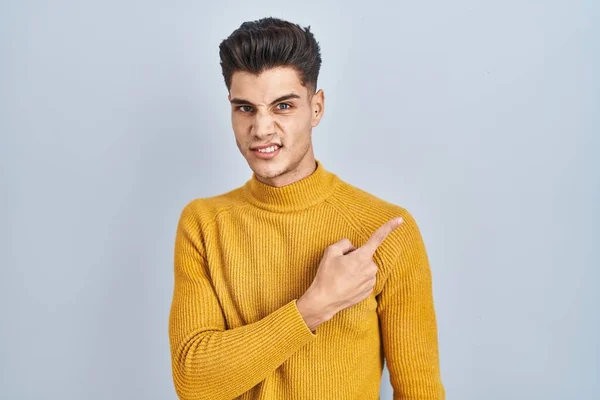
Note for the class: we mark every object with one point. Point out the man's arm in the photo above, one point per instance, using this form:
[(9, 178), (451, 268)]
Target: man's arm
[(208, 361), (408, 321)]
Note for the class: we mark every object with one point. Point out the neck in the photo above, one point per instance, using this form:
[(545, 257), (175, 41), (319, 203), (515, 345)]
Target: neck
[(300, 194), (304, 168)]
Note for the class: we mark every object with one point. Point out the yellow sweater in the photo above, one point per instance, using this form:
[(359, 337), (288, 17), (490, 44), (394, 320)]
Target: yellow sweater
[(244, 257)]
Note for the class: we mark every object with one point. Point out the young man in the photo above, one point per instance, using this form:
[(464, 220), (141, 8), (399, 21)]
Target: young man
[(297, 284)]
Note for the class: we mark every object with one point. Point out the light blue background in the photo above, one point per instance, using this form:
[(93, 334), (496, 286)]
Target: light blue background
[(481, 118)]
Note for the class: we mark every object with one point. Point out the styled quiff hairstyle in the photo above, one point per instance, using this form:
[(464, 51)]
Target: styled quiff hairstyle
[(268, 43)]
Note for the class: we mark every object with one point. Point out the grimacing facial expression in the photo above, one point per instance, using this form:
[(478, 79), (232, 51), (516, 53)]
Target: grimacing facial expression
[(273, 107)]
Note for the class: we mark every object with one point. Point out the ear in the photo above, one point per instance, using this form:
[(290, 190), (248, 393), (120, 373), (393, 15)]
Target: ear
[(317, 107)]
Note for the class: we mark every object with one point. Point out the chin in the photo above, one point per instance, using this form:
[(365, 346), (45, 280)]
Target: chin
[(267, 168)]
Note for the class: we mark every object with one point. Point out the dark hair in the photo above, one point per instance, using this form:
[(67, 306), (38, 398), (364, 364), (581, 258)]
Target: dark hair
[(268, 43)]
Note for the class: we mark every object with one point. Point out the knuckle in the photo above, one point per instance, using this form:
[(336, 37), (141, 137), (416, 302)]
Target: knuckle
[(363, 254), (340, 244), (370, 271)]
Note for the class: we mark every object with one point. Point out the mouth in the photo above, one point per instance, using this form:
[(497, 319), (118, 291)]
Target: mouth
[(267, 152)]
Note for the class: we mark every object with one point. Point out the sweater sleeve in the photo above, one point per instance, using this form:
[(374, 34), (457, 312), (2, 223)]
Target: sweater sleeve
[(209, 361), (407, 317)]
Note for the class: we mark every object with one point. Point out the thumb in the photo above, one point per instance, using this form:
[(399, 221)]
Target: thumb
[(343, 246)]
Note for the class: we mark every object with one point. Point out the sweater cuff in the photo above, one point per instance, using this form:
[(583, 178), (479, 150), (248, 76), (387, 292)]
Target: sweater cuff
[(294, 322)]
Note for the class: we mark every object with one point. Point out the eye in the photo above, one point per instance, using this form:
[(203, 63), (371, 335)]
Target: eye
[(245, 108), (287, 106)]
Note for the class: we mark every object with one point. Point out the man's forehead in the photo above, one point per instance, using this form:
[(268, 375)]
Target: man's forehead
[(266, 86)]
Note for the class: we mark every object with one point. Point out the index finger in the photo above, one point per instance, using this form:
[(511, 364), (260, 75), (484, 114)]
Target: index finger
[(379, 235)]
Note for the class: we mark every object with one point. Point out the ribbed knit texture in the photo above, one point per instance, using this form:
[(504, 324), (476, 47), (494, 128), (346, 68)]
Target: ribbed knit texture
[(244, 257)]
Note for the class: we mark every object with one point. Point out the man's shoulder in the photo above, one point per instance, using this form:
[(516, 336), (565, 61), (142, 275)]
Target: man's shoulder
[(367, 212), (207, 208), (365, 206)]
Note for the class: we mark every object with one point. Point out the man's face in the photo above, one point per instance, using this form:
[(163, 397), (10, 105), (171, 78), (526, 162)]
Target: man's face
[(274, 107)]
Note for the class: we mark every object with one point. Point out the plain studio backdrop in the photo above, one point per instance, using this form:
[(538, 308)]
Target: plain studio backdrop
[(481, 118)]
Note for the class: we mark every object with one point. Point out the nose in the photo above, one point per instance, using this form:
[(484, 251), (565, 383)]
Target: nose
[(263, 125)]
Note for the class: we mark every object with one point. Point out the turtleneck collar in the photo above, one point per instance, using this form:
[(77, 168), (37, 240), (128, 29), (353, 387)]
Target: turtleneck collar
[(298, 195)]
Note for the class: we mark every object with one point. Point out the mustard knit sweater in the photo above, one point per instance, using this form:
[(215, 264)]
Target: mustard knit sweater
[(244, 257)]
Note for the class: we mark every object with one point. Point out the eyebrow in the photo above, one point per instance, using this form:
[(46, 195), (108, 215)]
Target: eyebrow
[(289, 96)]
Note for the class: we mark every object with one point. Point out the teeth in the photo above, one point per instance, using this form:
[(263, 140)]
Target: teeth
[(268, 149)]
